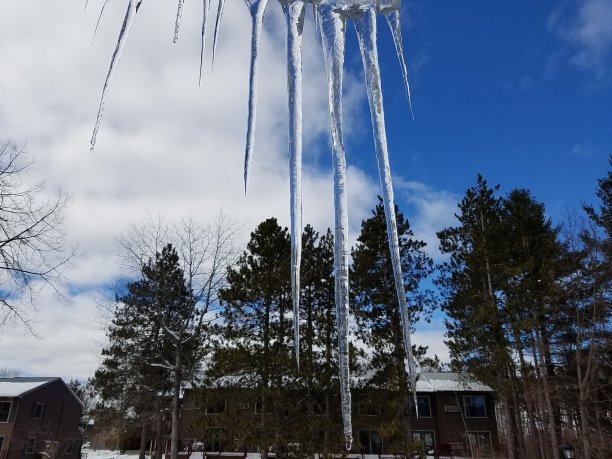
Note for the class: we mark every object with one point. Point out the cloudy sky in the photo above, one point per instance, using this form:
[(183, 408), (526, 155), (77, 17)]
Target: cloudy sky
[(519, 93)]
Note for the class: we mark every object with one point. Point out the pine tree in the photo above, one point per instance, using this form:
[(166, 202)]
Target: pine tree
[(376, 307), (155, 340), (471, 282), (501, 294), (256, 330)]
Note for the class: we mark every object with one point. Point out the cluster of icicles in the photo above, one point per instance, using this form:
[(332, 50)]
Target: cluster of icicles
[(331, 18)]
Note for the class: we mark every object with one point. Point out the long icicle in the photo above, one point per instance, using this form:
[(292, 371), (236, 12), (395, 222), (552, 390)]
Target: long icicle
[(99, 19), (332, 26), (217, 27), (294, 17), (177, 23), (393, 19), (128, 21), (205, 10), (366, 33), (257, 9)]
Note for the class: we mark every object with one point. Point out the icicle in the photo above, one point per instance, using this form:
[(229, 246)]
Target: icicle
[(177, 24), (128, 21), (206, 9), (366, 33), (294, 16), (99, 19), (332, 28), (393, 19), (217, 26), (257, 9)]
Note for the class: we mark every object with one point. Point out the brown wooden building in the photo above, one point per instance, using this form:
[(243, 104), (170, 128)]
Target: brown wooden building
[(455, 416), (39, 417)]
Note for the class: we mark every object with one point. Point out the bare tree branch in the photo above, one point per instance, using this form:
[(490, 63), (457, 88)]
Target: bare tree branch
[(33, 250)]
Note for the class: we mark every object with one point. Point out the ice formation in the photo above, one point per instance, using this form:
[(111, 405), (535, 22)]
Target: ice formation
[(331, 17)]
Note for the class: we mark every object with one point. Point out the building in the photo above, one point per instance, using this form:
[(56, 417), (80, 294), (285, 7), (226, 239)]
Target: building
[(456, 416), (39, 417)]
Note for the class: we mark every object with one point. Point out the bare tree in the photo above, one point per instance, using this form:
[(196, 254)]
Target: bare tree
[(205, 252), (33, 250), (6, 372)]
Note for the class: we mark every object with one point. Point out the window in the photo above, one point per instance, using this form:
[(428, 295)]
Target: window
[(474, 406), (69, 447), (365, 406), (215, 406), (212, 440), (480, 444), (38, 410), (5, 411), (370, 441), (427, 437), (30, 446), (423, 402), (243, 405)]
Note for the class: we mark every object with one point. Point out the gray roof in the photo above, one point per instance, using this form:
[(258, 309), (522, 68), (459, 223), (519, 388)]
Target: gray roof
[(449, 382)]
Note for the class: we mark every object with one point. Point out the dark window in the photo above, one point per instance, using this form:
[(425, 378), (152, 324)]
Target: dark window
[(243, 405), (5, 411), (212, 440), (423, 402), (365, 406), (480, 444), (215, 406), (259, 406), (370, 441), (69, 447), (474, 406), (38, 410), (30, 446), (424, 436)]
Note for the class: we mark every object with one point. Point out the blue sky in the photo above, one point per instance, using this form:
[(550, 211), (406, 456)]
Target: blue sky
[(520, 92), (498, 88)]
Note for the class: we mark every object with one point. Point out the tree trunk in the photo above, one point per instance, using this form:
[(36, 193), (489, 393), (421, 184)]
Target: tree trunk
[(531, 448), (176, 391), (554, 442), (143, 440), (510, 435)]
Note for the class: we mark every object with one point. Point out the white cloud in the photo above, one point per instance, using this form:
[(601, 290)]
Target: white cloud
[(166, 145), (433, 210), (589, 34)]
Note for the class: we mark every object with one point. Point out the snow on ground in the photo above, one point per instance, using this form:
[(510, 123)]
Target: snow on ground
[(107, 454)]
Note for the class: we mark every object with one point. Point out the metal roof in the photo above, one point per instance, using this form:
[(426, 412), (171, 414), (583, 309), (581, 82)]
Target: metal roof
[(449, 382)]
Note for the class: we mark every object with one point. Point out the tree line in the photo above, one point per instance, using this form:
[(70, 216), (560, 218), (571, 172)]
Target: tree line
[(527, 307)]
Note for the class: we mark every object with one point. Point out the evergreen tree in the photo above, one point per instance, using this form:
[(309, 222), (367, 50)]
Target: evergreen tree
[(471, 283), (256, 313), (501, 294), (155, 341), (296, 411), (376, 307)]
